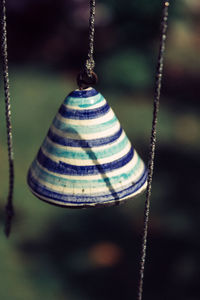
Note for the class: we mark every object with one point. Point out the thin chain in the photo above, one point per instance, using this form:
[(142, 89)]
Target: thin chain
[(153, 145), (90, 64), (9, 205)]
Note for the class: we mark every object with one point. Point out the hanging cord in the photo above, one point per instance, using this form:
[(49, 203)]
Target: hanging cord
[(9, 206), (158, 82), (90, 64), (88, 77)]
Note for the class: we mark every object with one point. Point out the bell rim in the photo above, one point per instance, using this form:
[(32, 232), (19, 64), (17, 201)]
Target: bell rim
[(113, 202)]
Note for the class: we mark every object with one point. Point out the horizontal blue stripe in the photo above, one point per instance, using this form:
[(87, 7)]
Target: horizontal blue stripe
[(83, 143), (83, 93), (84, 129), (77, 183), (115, 194), (87, 153), (84, 102), (85, 114), (68, 169)]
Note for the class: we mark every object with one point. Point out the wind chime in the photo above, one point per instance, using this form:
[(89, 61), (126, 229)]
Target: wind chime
[(86, 159)]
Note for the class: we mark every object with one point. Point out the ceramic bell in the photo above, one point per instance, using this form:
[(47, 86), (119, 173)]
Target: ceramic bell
[(86, 159)]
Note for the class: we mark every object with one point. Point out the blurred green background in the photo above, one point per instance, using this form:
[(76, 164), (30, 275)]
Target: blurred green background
[(64, 254)]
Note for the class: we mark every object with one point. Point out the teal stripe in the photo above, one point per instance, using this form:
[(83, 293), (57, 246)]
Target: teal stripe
[(59, 181), (79, 129), (83, 102), (87, 154)]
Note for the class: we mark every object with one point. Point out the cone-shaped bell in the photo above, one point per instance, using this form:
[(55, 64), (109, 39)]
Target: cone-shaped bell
[(86, 158)]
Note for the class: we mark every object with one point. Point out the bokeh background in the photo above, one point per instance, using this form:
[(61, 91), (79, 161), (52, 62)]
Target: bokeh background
[(64, 254)]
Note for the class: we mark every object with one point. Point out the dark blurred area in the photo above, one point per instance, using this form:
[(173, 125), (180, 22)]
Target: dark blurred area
[(92, 254)]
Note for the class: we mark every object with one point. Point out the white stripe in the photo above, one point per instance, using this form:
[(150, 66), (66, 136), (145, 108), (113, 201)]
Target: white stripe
[(90, 161), (72, 189), (143, 187), (91, 136), (101, 120), (92, 106), (83, 150), (125, 169)]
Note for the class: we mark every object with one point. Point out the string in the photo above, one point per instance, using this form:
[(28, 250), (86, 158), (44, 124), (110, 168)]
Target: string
[(158, 83), (90, 64), (87, 77), (9, 206)]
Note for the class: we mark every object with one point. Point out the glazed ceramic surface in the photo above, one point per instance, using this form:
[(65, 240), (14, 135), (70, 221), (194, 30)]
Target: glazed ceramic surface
[(86, 158)]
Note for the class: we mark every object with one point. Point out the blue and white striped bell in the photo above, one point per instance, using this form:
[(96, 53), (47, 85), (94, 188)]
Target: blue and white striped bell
[(86, 160)]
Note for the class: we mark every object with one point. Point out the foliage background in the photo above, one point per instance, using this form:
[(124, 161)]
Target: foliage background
[(94, 254)]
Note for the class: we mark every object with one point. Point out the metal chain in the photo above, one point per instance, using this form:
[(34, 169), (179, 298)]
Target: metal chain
[(9, 206), (87, 77), (90, 64), (158, 83)]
